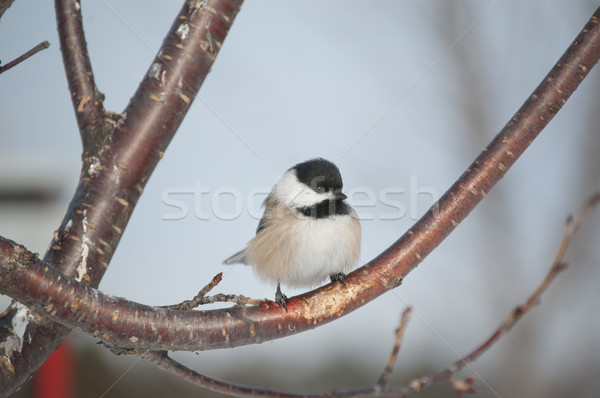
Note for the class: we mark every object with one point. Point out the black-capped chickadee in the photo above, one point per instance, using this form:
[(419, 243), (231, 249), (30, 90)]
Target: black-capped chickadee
[(307, 232)]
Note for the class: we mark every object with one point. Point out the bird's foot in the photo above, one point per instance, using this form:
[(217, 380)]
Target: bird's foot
[(280, 298), (339, 277)]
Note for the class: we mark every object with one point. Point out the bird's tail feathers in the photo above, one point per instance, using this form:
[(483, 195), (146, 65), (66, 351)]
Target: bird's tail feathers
[(239, 257)]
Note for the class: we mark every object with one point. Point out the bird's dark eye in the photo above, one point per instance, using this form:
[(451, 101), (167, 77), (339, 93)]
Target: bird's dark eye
[(319, 189)]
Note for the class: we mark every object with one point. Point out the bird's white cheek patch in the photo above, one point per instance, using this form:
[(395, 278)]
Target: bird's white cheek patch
[(296, 194)]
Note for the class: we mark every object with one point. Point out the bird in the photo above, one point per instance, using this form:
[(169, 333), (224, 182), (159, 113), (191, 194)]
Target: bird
[(308, 232)]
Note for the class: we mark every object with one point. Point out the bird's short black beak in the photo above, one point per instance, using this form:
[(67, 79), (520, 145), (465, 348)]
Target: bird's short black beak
[(341, 195)]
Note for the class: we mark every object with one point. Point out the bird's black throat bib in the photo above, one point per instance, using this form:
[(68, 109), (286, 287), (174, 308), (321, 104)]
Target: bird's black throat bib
[(324, 209)]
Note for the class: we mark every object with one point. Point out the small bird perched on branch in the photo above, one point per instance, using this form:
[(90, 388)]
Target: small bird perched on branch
[(307, 232)]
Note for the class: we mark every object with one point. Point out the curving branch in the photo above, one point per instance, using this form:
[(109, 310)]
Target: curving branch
[(382, 388), (131, 325), (120, 153)]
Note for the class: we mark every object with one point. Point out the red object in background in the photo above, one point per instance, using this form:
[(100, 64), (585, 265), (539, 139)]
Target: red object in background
[(56, 378)]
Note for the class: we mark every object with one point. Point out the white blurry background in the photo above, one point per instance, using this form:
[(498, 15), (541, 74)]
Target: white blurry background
[(401, 95)]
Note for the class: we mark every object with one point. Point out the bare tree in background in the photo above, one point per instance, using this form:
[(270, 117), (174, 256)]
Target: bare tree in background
[(120, 151)]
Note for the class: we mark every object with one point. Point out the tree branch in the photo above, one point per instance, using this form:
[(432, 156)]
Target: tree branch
[(389, 367), (557, 266), (118, 161), (87, 100), (42, 46), (201, 298), (131, 325), (5, 5), (382, 388)]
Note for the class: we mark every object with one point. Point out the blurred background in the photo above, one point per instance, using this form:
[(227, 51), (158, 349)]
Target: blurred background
[(402, 95)]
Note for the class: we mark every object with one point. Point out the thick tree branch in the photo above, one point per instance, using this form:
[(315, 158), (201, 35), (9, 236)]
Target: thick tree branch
[(119, 160), (133, 325)]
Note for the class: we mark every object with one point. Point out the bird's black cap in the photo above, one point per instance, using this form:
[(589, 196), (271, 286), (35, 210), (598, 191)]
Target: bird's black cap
[(319, 173)]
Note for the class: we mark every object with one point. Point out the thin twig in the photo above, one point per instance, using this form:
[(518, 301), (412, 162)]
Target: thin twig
[(201, 299), (42, 46), (389, 367), (197, 300), (463, 386)]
